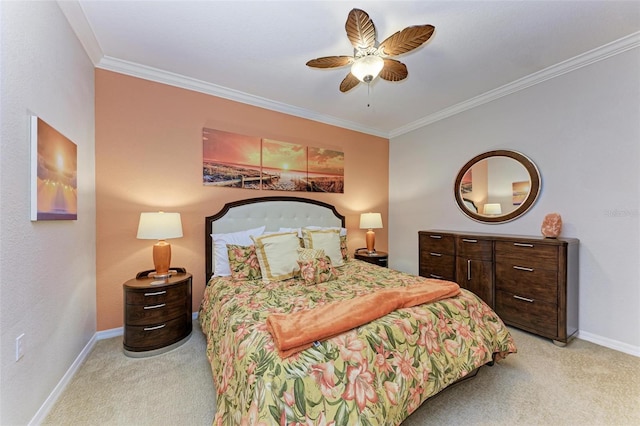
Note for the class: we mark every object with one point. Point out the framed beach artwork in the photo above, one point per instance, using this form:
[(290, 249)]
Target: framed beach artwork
[(54, 174), (520, 191), (239, 161)]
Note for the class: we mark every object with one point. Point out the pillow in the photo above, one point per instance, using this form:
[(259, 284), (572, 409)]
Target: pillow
[(317, 270), (308, 253), (220, 254), (243, 262), (328, 240), (277, 255), (343, 231), (344, 250)]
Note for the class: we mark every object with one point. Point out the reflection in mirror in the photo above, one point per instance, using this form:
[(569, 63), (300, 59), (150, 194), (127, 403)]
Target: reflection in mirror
[(497, 186)]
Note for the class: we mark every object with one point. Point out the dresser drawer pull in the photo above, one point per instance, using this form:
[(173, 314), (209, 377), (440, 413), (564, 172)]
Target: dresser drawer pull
[(439, 277), (522, 245), (522, 268), (435, 254), (162, 305), (468, 269), (157, 327), (156, 293), (524, 299), (437, 237), (467, 240)]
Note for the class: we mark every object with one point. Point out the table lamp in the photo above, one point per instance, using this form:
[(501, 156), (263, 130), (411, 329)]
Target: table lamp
[(160, 226), (492, 209), (371, 221)]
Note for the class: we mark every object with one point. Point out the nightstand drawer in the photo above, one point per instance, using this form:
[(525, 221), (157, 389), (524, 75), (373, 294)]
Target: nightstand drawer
[(154, 313), (154, 336), (437, 243), (533, 283), (528, 254), (531, 314), (436, 265), (155, 296)]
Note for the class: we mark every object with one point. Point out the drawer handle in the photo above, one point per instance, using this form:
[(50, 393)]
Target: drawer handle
[(157, 327), (467, 240), (435, 254), (522, 268), (524, 299), (468, 269), (439, 277), (437, 237), (162, 305), (156, 293), (522, 245)]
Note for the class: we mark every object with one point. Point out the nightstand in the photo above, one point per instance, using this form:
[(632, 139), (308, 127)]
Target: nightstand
[(157, 313), (379, 258)]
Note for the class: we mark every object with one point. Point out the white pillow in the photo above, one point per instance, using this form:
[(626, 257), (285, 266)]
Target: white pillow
[(326, 239), (221, 256), (277, 255), (343, 231)]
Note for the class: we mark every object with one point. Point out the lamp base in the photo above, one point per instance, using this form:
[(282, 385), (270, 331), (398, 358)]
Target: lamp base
[(162, 258), (371, 241)]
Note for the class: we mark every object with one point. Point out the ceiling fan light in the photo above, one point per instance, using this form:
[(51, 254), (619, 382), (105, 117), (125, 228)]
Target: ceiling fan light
[(367, 68)]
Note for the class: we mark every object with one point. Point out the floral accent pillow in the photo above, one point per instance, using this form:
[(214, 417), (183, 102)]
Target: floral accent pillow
[(243, 262), (308, 253), (344, 250), (317, 270)]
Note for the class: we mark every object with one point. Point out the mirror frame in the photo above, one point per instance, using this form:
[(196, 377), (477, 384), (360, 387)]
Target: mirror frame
[(534, 176)]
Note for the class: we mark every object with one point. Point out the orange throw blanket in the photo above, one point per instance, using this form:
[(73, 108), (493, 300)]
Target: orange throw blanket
[(295, 332)]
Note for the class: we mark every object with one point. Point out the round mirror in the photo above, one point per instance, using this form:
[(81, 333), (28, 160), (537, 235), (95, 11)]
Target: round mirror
[(497, 186)]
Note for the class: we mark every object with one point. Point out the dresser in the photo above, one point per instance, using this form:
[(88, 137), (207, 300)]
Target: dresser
[(531, 282), (157, 314)]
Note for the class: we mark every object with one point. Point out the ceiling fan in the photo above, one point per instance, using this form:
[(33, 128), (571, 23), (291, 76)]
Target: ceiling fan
[(371, 58)]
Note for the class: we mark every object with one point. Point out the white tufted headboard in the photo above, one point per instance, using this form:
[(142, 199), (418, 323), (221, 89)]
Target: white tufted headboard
[(273, 212)]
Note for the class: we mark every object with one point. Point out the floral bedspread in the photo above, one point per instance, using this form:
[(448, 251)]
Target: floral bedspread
[(376, 374)]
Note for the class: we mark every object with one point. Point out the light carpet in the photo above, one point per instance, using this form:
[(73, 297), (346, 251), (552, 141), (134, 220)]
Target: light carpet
[(581, 384)]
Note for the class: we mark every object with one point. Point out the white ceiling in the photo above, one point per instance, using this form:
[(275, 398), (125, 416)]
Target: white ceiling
[(255, 51)]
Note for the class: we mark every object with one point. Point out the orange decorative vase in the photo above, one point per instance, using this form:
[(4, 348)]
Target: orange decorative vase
[(551, 225)]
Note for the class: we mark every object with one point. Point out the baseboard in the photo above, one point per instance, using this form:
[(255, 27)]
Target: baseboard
[(62, 384), (609, 343)]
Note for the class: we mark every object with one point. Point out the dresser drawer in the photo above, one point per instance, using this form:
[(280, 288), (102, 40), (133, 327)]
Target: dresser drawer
[(154, 313), (532, 283), (474, 248), (437, 243), (533, 315), (437, 265), (154, 336), (528, 254), (155, 296)]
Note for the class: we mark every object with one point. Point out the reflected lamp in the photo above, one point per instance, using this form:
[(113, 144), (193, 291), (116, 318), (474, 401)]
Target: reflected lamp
[(492, 209), (160, 226), (371, 221)]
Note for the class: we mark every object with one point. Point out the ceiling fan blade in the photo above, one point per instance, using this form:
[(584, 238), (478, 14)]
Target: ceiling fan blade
[(360, 29), (349, 82), (330, 62), (406, 40), (393, 70)]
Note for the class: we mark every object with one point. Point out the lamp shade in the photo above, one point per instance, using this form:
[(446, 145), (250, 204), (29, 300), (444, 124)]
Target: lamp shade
[(370, 221), (159, 226), (492, 208), (367, 68)]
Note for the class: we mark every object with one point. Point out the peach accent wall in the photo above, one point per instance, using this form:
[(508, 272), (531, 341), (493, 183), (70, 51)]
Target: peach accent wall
[(149, 158)]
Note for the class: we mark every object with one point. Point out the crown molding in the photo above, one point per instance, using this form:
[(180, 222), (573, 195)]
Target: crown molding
[(177, 80), (74, 13), (598, 54)]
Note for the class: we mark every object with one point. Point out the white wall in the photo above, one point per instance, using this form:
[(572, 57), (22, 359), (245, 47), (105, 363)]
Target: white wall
[(582, 129), (47, 268)]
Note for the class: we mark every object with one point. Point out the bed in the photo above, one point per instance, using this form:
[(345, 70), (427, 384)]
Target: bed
[(377, 372)]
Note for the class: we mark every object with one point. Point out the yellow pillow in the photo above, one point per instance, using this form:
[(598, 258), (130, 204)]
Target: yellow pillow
[(327, 240), (277, 255), (309, 254)]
